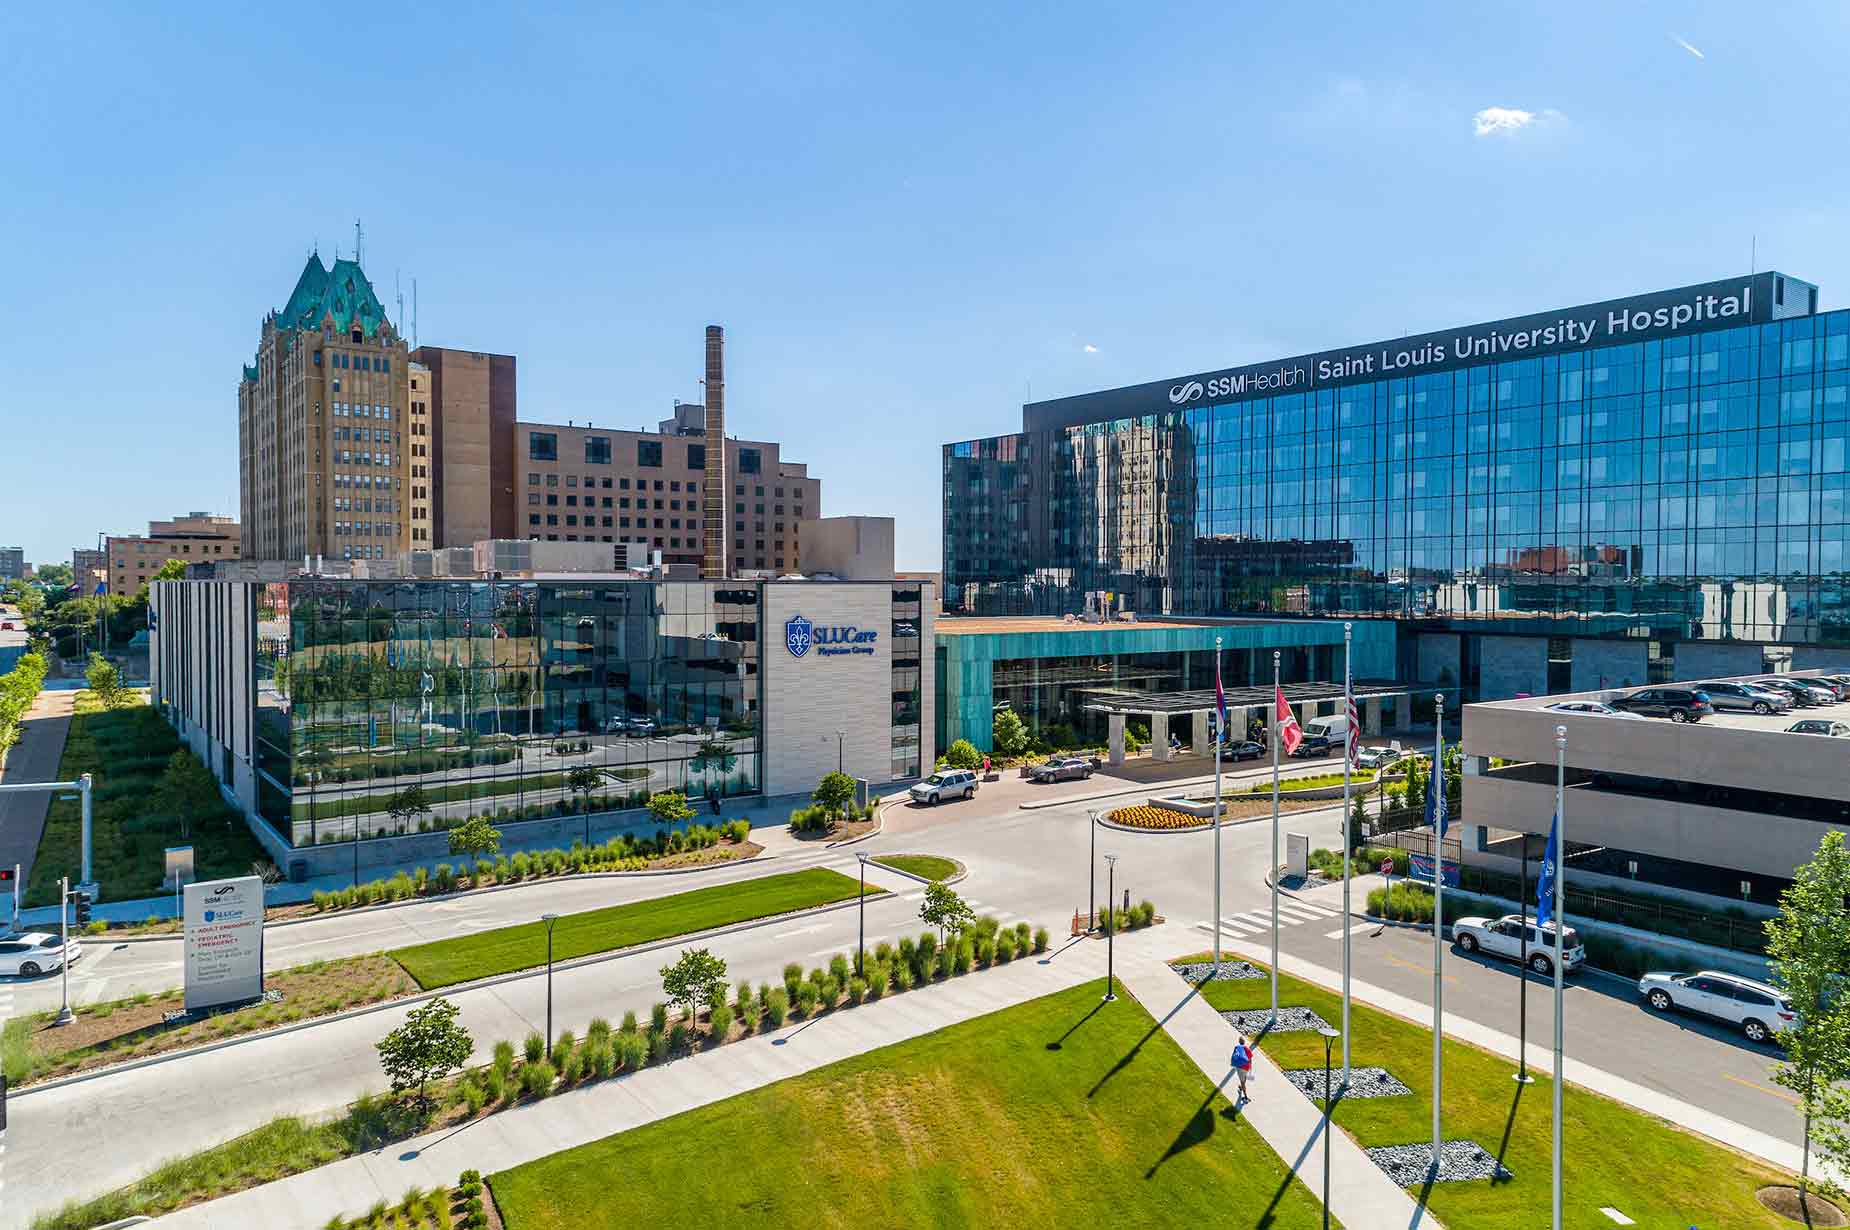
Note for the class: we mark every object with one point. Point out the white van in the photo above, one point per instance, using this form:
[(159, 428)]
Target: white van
[(1335, 729)]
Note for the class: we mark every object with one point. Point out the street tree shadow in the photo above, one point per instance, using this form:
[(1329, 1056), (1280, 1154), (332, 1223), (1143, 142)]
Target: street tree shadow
[(1131, 1054), (1072, 1029), (1198, 1128)]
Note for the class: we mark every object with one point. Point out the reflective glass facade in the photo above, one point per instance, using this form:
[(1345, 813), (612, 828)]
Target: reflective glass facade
[(489, 695), (1684, 488)]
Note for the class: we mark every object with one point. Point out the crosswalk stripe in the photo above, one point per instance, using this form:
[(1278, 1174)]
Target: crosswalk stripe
[(1321, 911), (1298, 913)]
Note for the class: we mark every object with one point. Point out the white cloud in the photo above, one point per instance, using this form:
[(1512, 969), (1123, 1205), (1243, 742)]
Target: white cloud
[(1506, 121), (1688, 47), (1091, 349)]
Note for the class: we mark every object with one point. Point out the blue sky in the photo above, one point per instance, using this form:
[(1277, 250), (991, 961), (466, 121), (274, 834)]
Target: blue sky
[(907, 217)]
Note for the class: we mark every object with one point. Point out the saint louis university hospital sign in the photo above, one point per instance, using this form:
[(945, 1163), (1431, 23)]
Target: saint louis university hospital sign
[(800, 636), (1750, 300)]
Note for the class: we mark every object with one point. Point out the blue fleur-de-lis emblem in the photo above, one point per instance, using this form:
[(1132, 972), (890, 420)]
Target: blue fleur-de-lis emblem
[(797, 635)]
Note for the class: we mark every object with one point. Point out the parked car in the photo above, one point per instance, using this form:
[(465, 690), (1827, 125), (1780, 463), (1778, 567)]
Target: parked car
[(1246, 749), (1819, 726), (1378, 757), (1315, 745), (1064, 769), (1743, 698), (1592, 708), (1802, 693), (945, 784), (1758, 1009), (1828, 683), (35, 953), (1505, 937), (1677, 704)]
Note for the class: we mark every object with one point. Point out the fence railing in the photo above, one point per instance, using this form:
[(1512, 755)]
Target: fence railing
[(1740, 934)]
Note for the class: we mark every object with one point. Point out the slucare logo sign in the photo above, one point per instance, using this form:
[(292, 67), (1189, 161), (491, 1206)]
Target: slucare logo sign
[(1641, 318), (800, 636)]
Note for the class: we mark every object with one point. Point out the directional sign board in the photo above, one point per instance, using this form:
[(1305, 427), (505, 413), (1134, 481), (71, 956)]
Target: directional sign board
[(224, 942)]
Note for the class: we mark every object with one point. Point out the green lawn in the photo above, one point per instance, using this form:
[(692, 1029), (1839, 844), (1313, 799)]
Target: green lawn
[(1058, 1113), (506, 949), (927, 866), (1612, 1155)]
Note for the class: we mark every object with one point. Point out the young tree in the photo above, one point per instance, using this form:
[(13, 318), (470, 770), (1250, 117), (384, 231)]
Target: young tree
[(835, 791), (670, 807), (58, 575), (694, 979), (1358, 816), (714, 756), (1008, 733), (105, 682), (187, 790), (475, 838), (945, 910), (581, 781), (428, 1046), (408, 804), (1809, 946)]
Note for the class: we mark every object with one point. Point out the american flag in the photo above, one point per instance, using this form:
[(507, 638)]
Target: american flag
[(1355, 729)]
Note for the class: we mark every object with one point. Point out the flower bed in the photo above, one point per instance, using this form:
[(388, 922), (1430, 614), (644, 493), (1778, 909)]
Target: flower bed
[(1144, 816)]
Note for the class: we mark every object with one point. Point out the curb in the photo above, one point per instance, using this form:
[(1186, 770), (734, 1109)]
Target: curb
[(361, 910), (849, 841), (963, 871), (403, 1001)]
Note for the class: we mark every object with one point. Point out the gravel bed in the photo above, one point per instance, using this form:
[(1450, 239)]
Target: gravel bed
[(1290, 1020), (1459, 1161), (1363, 1083), (1198, 971)]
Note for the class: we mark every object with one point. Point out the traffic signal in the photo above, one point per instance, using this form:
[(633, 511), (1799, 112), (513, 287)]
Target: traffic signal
[(81, 904), (6, 875)]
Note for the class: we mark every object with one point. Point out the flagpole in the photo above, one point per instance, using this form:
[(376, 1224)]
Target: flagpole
[(1349, 743), (1220, 730), (1277, 734), (1435, 787), (1560, 921)]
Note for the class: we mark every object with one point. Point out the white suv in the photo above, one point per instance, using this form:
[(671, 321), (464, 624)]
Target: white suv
[(945, 784), (1758, 1009), (1505, 937)]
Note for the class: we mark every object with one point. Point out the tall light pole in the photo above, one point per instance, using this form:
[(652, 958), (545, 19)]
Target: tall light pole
[(1560, 921), (1111, 930), (1220, 730), (1351, 740), (1092, 869), (1435, 810), (1329, 1036), (860, 948), (1272, 867), (839, 736), (549, 920), (65, 1015)]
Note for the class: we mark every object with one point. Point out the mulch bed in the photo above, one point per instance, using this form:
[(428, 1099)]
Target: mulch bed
[(1460, 1161), (1290, 1020), (1363, 1083)]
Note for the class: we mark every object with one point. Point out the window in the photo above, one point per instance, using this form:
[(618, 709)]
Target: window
[(749, 462), (533, 497), (533, 478), (552, 480), (649, 454), (597, 450), (623, 484), (697, 457), (674, 485), (571, 480), (543, 445), (533, 518)]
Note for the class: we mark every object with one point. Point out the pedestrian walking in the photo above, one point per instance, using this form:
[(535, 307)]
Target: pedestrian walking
[(1243, 1064), (985, 768)]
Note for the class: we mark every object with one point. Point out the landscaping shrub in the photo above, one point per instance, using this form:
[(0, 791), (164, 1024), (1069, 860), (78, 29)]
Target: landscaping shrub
[(1145, 914), (947, 957), (962, 754), (719, 1022), (807, 996), (629, 1023), (1040, 939), (839, 965), (573, 1068), (1004, 949), (495, 1085), (471, 1095), (879, 975), (632, 1051), (857, 990), (534, 1048), (658, 1018), (600, 1057), (927, 954), (883, 952), (776, 1006), (562, 1048), (908, 952), (793, 974), (597, 1032), (678, 1038), (1403, 903), (982, 948), (903, 977), (536, 1079), (1024, 938)]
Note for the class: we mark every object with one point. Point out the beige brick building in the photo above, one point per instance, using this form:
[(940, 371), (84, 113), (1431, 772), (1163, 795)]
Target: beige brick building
[(322, 462), (195, 538), (592, 484)]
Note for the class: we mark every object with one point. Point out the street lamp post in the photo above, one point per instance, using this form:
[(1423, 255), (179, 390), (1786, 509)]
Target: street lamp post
[(1329, 1037), (839, 736), (1092, 869), (65, 1015), (860, 948), (549, 920), (1111, 930)]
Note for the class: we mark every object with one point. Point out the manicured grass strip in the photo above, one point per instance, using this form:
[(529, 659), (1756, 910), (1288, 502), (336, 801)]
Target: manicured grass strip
[(927, 866), (507, 949), (1611, 1155), (1057, 1113)]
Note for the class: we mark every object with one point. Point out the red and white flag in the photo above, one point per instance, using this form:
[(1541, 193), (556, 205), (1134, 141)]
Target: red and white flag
[(1287, 721), (1355, 730)]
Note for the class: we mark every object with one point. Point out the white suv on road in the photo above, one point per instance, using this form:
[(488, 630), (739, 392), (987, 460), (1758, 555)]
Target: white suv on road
[(1759, 1010), (1505, 937), (945, 784)]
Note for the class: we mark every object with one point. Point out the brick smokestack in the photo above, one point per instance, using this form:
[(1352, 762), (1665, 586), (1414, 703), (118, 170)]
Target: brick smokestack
[(713, 486)]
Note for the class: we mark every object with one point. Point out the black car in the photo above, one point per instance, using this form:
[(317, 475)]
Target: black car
[(1801, 692), (1677, 704), (1315, 745), (1246, 750)]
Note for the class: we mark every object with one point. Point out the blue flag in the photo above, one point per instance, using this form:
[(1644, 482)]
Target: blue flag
[(101, 589), (1435, 802), (1545, 885)]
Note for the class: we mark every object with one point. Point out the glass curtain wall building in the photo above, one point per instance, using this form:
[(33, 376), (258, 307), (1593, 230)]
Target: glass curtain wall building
[(1684, 483), (517, 700)]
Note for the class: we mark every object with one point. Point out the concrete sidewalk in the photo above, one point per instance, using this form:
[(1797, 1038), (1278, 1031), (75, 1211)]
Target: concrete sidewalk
[(535, 1130), (1362, 1197), (34, 758), (1650, 1101)]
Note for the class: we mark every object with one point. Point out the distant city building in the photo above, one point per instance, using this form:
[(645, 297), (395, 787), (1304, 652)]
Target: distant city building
[(461, 447), (322, 462), (12, 563), (592, 484), (195, 538), (88, 566), (848, 548)]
